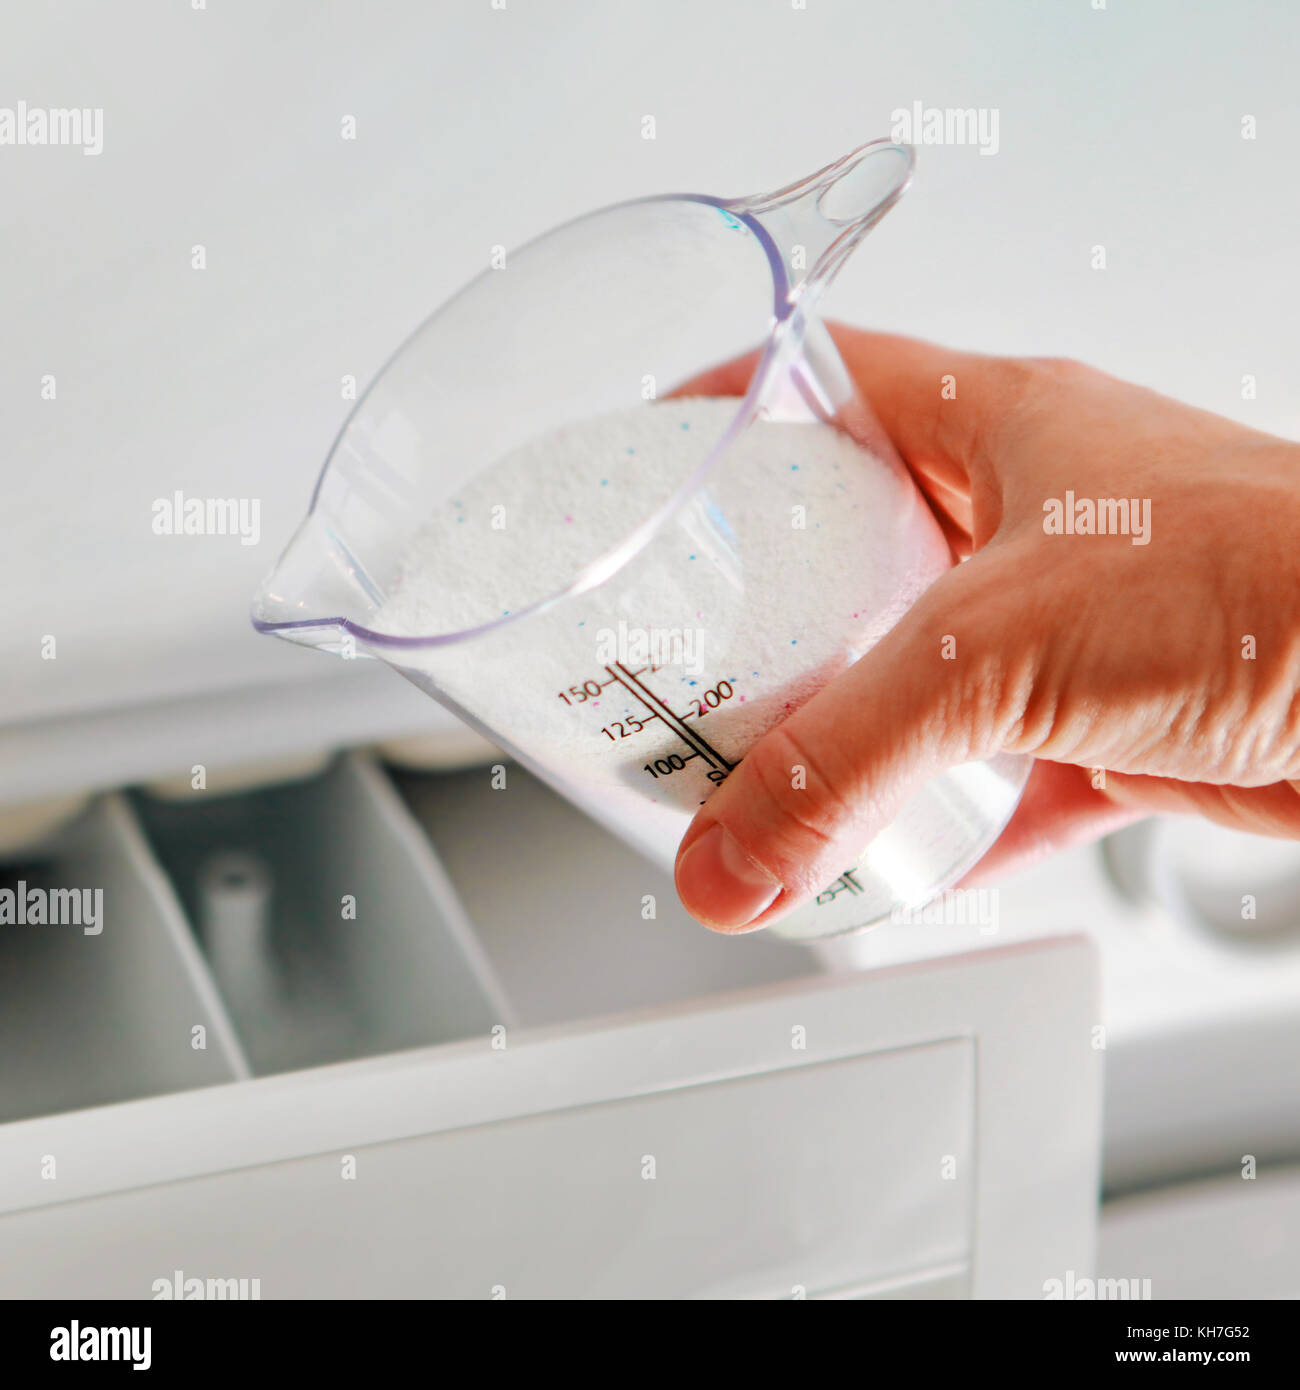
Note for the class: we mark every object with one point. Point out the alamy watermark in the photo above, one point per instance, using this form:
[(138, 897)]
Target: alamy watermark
[(652, 646), (73, 1342), (53, 125), (957, 907), (947, 125), (23, 906), (192, 1289), (1101, 516), (1081, 1288), (179, 515)]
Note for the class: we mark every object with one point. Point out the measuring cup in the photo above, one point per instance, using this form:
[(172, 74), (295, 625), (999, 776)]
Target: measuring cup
[(564, 664)]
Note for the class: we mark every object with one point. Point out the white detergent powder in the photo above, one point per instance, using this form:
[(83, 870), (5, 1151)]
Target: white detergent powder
[(637, 696)]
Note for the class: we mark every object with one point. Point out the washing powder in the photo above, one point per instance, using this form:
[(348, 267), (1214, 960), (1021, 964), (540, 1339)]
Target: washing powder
[(637, 696)]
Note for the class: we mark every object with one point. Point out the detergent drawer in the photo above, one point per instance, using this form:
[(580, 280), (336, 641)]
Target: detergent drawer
[(484, 1071)]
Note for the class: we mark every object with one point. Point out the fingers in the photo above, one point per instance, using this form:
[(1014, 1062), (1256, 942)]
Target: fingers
[(1060, 807), (937, 404), (960, 420), (726, 379), (1273, 809), (812, 793)]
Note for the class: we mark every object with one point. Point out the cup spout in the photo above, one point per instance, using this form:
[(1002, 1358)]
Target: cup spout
[(817, 222), (317, 592)]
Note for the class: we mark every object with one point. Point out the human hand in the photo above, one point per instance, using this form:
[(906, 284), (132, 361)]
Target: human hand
[(1157, 676)]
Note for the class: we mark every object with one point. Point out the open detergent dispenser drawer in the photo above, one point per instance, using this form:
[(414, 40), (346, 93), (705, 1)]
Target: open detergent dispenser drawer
[(473, 1066)]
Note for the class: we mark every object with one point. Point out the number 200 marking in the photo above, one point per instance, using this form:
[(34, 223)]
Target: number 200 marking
[(713, 698)]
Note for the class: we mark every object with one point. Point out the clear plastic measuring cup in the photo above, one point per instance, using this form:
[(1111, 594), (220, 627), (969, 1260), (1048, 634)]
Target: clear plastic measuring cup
[(633, 674)]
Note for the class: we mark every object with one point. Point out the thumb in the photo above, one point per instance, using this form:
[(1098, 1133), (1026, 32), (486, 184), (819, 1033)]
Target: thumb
[(939, 689)]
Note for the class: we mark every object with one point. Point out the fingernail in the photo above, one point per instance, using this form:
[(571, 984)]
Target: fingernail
[(719, 885)]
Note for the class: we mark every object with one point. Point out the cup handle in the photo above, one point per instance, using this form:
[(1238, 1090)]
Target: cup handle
[(816, 223)]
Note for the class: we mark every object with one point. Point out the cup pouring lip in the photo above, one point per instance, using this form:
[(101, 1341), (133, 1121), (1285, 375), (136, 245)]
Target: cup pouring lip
[(816, 213)]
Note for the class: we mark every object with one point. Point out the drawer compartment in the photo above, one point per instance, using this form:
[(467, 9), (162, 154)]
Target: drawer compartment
[(327, 921), (559, 905), (108, 1002)]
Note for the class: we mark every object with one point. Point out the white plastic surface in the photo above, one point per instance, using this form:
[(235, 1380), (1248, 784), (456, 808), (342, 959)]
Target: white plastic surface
[(761, 1187), (1229, 1238)]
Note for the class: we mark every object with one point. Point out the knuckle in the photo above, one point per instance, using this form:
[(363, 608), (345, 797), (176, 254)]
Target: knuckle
[(810, 811), (1056, 370), (1027, 389)]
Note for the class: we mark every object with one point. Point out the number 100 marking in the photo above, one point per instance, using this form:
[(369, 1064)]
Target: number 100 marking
[(665, 767), (674, 762)]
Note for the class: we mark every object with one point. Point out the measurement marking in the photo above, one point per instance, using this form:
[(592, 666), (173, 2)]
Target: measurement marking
[(845, 880), (673, 721)]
